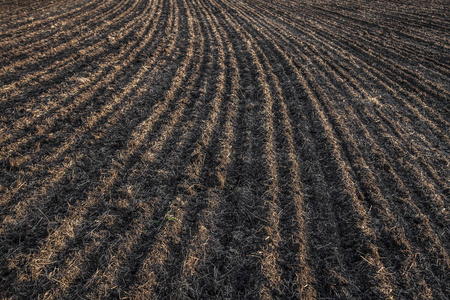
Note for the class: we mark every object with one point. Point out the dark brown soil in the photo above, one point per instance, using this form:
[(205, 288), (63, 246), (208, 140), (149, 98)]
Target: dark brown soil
[(224, 149)]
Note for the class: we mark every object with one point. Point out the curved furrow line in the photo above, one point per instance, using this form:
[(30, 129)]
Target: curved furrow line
[(122, 7), (73, 270), (413, 57), (198, 242), (140, 74), (298, 268), (14, 20), (235, 258), (394, 134), (224, 149), (436, 246), (169, 169), (108, 281), (96, 116), (52, 8), (419, 9), (56, 34), (200, 245), (380, 23), (393, 22), (399, 21), (361, 216), (317, 22), (363, 46), (336, 278), (372, 258), (413, 80), (375, 52), (41, 20), (432, 64), (431, 190), (362, 81), (269, 252), (20, 44), (59, 50), (395, 8), (83, 91), (416, 236), (366, 14), (9, 11), (299, 283), (420, 37), (302, 282), (297, 272), (416, 154), (72, 110), (415, 83), (440, 251), (58, 239), (430, 233), (414, 173), (326, 252), (350, 75), (387, 84), (436, 240), (144, 223), (382, 281), (162, 48), (329, 37), (390, 238), (173, 226), (108, 139), (13, 93), (337, 273), (317, 53)]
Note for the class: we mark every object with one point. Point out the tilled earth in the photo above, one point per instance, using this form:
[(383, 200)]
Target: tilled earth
[(224, 149)]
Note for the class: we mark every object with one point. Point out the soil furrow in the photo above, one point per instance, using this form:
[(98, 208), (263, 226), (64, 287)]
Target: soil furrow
[(108, 180), (33, 39), (37, 19), (109, 107), (59, 52), (329, 38), (224, 149), (361, 217), (81, 91), (82, 57)]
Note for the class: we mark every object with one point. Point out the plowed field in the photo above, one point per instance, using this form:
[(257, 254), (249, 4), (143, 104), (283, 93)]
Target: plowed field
[(224, 149)]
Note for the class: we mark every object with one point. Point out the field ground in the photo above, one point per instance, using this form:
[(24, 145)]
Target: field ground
[(224, 149)]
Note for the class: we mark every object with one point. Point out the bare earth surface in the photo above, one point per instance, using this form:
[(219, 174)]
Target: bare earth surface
[(224, 149)]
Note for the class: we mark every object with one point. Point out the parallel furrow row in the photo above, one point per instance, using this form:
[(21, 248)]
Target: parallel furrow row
[(224, 149)]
